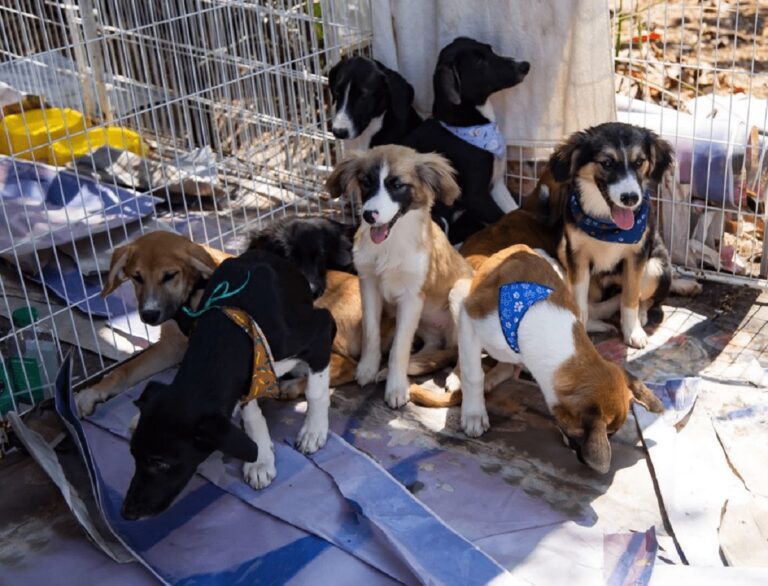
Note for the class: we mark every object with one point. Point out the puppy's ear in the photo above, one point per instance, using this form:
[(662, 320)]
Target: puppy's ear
[(448, 83), (400, 94), (340, 248), (116, 276), (334, 73), (149, 392), (660, 155), (562, 163), (643, 395), (437, 175), (200, 259), (343, 178), (596, 449), (217, 432)]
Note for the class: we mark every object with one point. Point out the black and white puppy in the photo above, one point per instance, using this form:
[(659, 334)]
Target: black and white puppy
[(463, 129), (313, 243), (373, 104), (182, 423), (608, 221)]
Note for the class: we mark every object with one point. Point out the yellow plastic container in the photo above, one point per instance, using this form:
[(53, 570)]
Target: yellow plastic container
[(28, 135), (72, 147)]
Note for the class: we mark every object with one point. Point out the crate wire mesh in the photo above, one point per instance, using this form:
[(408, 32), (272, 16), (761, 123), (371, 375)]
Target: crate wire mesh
[(228, 99), (697, 71)]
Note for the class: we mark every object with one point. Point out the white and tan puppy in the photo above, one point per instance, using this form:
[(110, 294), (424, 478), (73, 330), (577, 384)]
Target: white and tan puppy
[(403, 259), (520, 311)]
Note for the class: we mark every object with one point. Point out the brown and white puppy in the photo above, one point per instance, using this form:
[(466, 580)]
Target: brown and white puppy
[(608, 171), (588, 395), (167, 271), (402, 257)]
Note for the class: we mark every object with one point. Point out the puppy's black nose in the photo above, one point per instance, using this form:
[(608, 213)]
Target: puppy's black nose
[(629, 198), (370, 216), (341, 133), (150, 316), (523, 67)]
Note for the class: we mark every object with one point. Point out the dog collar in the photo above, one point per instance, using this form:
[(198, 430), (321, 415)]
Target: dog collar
[(483, 136), (263, 379), (607, 230), (515, 299)]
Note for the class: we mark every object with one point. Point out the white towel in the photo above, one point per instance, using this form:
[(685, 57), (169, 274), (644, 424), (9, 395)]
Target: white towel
[(570, 85)]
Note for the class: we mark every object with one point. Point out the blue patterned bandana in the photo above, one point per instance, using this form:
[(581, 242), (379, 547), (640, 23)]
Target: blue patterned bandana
[(515, 299), (483, 136), (607, 230)]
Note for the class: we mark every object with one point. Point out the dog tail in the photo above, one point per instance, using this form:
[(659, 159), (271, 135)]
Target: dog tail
[(429, 361), (426, 398)]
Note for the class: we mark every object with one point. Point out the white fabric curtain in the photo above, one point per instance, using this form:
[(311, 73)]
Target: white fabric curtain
[(568, 43)]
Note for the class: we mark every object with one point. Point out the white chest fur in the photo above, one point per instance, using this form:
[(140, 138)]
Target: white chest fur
[(400, 263), (499, 191), (604, 256), (545, 338), (363, 142)]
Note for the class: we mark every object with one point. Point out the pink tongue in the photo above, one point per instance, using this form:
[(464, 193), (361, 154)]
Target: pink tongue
[(623, 218), (379, 233)]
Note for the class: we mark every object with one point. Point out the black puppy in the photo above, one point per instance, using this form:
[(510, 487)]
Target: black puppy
[(313, 243), (373, 104), (181, 424), (463, 129)]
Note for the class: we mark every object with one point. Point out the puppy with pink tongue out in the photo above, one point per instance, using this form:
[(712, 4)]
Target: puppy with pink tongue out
[(609, 227)]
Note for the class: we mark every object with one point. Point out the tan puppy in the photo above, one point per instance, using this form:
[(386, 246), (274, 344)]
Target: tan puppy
[(167, 271), (588, 395), (402, 257)]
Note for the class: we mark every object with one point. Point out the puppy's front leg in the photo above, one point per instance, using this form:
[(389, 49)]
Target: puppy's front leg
[(262, 472), (168, 350), (314, 432), (370, 358), (634, 335), (474, 417), (409, 308), (578, 277)]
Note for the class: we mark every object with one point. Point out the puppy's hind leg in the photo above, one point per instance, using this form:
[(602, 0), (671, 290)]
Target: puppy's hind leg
[(262, 472)]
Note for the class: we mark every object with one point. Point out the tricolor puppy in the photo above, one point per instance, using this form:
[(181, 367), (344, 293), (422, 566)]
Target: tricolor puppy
[(168, 271), (608, 222), (229, 361), (463, 128), (520, 311), (373, 104), (403, 259)]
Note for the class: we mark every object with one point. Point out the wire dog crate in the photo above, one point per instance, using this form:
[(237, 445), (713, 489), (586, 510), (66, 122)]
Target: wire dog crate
[(220, 114), (219, 110)]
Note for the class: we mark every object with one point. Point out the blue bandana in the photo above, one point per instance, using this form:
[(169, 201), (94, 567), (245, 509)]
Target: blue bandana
[(607, 230), (483, 136), (515, 299)]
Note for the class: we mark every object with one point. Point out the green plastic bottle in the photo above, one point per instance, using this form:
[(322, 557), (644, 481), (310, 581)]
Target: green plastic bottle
[(34, 357)]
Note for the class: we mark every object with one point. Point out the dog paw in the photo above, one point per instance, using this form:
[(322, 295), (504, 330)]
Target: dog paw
[(453, 383), (367, 369), (381, 376), (292, 388), (686, 287), (643, 317), (637, 338), (86, 401), (596, 326), (475, 424), (396, 395), (311, 438), (260, 474)]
